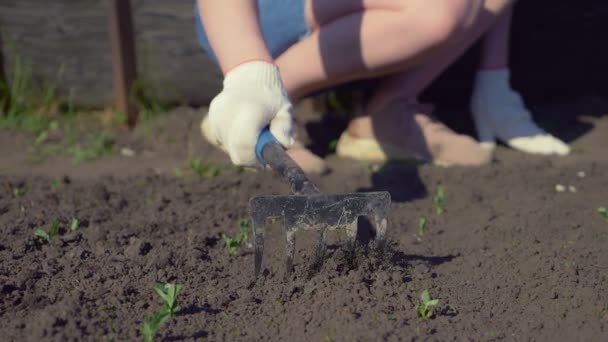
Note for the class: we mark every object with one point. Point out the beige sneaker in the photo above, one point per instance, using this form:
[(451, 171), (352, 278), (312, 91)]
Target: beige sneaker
[(410, 134)]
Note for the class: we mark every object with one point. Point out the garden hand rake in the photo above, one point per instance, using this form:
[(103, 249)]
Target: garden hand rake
[(308, 208)]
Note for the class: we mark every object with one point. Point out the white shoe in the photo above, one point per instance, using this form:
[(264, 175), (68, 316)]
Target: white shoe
[(500, 114)]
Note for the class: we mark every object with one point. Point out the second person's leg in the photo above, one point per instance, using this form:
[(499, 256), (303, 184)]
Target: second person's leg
[(398, 36)]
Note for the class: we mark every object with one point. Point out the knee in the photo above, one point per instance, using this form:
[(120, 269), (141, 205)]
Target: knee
[(447, 19)]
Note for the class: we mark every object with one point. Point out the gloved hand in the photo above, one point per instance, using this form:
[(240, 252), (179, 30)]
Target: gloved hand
[(500, 113), (253, 98)]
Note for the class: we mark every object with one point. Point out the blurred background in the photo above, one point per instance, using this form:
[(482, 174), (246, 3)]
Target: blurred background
[(559, 49)]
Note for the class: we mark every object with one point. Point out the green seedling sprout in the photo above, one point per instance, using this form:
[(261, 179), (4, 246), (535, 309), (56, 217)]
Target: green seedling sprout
[(19, 192), (604, 212), (424, 306), (439, 200), (332, 145), (421, 227), (42, 234), (202, 170), (168, 292), (55, 184), (74, 224), (234, 243)]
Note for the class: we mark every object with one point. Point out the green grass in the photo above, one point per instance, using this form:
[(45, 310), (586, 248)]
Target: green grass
[(233, 244), (97, 146), (424, 307), (204, 170), (27, 105), (147, 89), (169, 293)]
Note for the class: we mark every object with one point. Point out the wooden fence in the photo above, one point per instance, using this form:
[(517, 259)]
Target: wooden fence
[(98, 48)]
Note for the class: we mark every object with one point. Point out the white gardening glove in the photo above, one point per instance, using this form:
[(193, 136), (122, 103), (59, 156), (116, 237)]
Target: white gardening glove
[(499, 113), (253, 98)]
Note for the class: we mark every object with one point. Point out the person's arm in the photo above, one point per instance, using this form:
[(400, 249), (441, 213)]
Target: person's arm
[(234, 31)]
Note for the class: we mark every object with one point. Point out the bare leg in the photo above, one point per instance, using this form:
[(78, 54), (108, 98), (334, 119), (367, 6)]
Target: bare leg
[(438, 47)]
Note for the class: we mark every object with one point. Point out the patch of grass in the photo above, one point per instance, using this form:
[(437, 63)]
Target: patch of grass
[(169, 293), (422, 227), (204, 170), (146, 90), (27, 105), (234, 243), (603, 212), (47, 236), (97, 146), (424, 307), (439, 200)]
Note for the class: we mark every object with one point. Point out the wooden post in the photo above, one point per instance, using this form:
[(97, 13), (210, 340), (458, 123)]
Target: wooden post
[(124, 65)]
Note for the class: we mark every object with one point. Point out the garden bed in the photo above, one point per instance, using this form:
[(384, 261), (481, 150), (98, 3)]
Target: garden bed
[(510, 258)]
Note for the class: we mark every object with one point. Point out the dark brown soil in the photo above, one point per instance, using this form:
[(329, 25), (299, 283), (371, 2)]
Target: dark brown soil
[(510, 259)]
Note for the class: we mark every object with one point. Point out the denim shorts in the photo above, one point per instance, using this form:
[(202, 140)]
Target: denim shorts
[(283, 24)]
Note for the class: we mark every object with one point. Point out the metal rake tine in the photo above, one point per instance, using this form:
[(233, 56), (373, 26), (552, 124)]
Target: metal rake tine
[(380, 225), (290, 247), (321, 246), (259, 230), (351, 234)]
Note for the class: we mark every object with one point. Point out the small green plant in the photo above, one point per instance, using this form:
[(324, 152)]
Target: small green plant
[(203, 170), (26, 104), (439, 200), (169, 293), (603, 212), (98, 146), (421, 227), (333, 145), (19, 192), (424, 306), (234, 243), (74, 224), (55, 184), (47, 236)]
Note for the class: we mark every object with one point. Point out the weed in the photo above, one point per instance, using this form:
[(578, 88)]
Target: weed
[(424, 306), (43, 234), (332, 146), (25, 104), (146, 91), (98, 146), (19, 192), (203, 170), (74, 224), (234, 243), (439, 200), (603, 212), (421, 227), (169, 293), (55, 184)]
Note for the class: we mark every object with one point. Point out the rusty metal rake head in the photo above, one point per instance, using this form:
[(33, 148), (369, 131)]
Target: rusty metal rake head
[(308, 209)]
